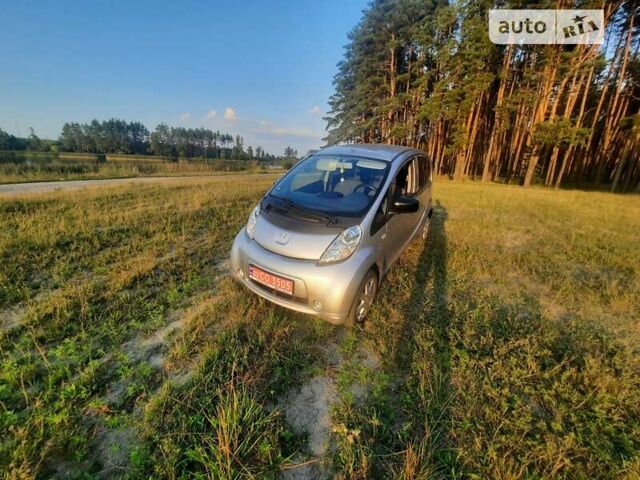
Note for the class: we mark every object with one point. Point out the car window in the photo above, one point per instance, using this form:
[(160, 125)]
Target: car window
[(381, 216), (338, 185), (425, 171), (407, 179), (413, 176)]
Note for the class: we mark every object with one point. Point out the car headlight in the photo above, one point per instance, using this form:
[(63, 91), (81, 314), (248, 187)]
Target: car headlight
[(251, 223), (343, 246)]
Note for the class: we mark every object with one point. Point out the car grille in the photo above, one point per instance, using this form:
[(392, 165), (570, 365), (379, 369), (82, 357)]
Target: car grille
[(276, 293)]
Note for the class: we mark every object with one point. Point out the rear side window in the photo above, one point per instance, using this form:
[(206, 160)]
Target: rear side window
[(413, 177), (424, 166)]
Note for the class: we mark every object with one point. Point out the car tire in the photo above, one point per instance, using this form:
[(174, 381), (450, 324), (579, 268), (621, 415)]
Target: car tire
[(363, 299)]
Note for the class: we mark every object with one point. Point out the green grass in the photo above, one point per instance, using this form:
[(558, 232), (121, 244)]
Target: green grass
[(507, 346), (509, 343), (218, 423)]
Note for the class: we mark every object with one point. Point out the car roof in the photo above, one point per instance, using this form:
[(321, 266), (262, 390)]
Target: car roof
[(369, 150)]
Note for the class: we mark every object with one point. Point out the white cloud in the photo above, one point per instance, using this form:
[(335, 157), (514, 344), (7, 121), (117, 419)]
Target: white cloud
[(315, 111), (293, 132), (267, 127), (185, 116), (265, 132), (229, 114), (211, 114)]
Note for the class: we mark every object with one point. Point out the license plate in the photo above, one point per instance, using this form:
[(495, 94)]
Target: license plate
[(280, 284)]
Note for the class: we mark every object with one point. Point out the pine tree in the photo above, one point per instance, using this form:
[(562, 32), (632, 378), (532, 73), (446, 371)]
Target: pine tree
[(424, 74)]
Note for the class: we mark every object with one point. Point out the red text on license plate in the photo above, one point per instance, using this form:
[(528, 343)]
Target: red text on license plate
[(280, 284)]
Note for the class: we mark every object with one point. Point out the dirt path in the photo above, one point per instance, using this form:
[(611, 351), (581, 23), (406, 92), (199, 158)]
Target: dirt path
[(16, 189), (308, 408)]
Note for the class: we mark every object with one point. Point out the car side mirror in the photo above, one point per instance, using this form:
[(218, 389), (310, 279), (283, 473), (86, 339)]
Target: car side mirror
[(404, 204)]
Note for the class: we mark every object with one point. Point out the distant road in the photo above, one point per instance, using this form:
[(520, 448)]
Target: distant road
[(12, 189)]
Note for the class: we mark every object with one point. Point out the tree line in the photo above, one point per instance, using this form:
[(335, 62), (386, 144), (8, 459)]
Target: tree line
[(32, 142), (426, 75), (119, 136), (116, 136)]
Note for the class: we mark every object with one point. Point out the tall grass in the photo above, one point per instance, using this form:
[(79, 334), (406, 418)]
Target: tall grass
[(218, 424), (87, 272), (508, 344), (35, 168)]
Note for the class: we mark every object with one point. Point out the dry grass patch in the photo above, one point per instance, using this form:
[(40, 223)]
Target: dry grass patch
[(507, 347)]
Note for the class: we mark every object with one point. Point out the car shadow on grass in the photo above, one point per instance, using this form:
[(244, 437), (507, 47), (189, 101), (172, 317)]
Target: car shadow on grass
[(426, 328)]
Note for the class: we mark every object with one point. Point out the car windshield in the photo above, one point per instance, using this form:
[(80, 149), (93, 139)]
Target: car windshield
[(333, 184)]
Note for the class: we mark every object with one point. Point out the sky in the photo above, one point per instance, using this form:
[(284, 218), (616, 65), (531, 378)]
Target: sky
[(260, 69)]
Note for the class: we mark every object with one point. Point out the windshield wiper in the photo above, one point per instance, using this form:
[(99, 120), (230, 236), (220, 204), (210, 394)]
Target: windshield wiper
[(309, 214)]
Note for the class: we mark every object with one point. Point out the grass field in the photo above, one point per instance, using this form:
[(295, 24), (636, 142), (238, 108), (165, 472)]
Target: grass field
[(507, 346)]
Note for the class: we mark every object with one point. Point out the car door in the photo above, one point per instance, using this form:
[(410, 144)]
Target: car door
[(401, 227)]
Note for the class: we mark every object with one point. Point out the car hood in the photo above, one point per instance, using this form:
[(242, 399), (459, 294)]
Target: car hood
[(292, 237)]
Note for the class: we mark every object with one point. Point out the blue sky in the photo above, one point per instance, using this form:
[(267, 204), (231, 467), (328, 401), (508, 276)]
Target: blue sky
[(259, 69)]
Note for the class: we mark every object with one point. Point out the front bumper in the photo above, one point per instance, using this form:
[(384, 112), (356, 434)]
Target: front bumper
[(333, 286)]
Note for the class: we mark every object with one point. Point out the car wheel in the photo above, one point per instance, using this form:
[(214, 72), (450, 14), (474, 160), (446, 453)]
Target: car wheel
[(425, 230), (364, 298)]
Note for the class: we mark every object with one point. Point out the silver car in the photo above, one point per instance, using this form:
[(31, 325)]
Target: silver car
[(323, 237)]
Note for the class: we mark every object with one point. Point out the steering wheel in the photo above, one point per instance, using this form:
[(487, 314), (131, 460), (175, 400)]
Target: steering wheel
[(364, 186)]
